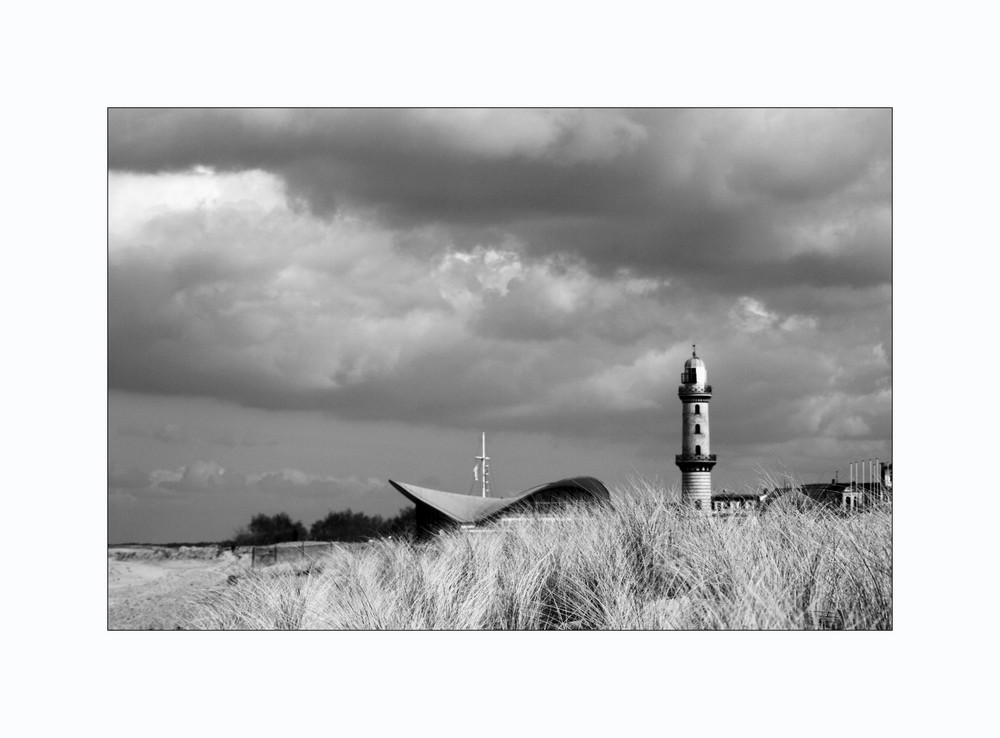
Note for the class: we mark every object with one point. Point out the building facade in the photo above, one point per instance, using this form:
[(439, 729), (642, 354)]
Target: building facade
[(696, 458), (728, 501)]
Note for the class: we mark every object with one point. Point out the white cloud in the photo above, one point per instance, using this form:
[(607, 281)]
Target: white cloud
[(641, 384), (837, 414), (751, 315), (288, 304), (135, 199), (799, 323), (203, 476), (159, 476)]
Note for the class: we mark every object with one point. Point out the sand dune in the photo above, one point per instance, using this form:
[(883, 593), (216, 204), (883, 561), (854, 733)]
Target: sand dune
[(150, 587)]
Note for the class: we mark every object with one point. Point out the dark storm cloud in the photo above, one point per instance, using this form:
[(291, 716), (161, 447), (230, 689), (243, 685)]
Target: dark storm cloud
[(776, 197), (414, 168), (470, 341), (522, 272)]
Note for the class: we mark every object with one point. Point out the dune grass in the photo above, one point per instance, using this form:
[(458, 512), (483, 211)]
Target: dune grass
[(644, 563)]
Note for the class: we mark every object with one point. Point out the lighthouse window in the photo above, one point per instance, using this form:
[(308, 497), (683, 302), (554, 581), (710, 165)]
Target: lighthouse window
[(697, 409), (697, 450), (697, 428)]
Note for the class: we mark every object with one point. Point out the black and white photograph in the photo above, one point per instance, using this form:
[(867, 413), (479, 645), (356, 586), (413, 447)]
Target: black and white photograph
[(500, 369), (541, 368), (537, 368)]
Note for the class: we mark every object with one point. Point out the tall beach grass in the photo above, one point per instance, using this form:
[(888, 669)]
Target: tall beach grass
[(644, 563)]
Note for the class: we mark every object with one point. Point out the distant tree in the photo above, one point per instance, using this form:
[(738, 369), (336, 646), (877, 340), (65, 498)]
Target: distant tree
[(404, 525), (267, 529), (346, 525), (342, 525)]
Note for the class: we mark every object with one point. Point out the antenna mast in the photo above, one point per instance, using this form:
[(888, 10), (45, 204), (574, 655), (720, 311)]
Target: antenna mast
[(486, 468)]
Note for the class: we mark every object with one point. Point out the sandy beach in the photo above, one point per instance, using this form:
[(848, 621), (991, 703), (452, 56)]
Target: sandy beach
[(150, 587)]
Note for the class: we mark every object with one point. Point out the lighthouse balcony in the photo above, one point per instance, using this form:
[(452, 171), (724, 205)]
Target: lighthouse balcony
[(694, 389), (694, 457)]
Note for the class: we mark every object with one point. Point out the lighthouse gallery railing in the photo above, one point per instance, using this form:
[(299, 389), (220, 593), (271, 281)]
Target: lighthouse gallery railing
[(695, 389)]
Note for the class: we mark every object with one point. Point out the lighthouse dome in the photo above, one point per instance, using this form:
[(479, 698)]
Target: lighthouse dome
[(694, 371)]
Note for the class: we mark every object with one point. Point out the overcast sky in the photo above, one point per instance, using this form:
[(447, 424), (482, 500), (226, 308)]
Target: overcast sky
[(304, 304)]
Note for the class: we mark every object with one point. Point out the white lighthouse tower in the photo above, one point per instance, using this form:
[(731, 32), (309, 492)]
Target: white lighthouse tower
[(696, 458)]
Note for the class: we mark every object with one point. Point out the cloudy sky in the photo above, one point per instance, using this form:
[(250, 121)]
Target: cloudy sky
[(304, 304)]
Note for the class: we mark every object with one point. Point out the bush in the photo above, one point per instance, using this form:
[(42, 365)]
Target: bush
[(351, 526), (346, 526), (265, 530)]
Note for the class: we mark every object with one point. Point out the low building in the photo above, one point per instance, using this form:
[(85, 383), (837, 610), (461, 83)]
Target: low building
[(840, 495), (834, 494), (439, 511), (729, 501)]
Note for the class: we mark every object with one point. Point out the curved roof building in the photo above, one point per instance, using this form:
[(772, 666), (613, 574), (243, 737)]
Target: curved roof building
[(437, 510)]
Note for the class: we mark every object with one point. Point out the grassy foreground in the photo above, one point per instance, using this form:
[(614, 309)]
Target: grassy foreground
[(645, 564)]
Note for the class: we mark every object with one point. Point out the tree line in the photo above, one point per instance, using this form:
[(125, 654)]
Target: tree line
[(344, 525)]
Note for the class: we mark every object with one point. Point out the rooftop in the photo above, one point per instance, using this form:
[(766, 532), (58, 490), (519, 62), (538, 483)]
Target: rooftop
[(471, 509)]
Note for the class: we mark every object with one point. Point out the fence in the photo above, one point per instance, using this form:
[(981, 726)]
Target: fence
[(296, 551)]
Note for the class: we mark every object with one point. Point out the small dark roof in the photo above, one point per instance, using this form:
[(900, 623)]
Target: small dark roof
[(471, 509), (824, 488), (838, 487), (728, 494)]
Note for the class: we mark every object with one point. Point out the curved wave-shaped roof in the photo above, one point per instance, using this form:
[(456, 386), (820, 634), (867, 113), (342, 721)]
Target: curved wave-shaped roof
[(470, 509)]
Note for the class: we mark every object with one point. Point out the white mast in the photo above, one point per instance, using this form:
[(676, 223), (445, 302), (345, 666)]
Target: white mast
[(486, 468)]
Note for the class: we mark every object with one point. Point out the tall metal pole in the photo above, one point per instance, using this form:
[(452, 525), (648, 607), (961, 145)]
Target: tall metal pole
[(486, 468)]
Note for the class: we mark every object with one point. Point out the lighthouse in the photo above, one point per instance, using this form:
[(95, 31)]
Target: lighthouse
[(696, 458)]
